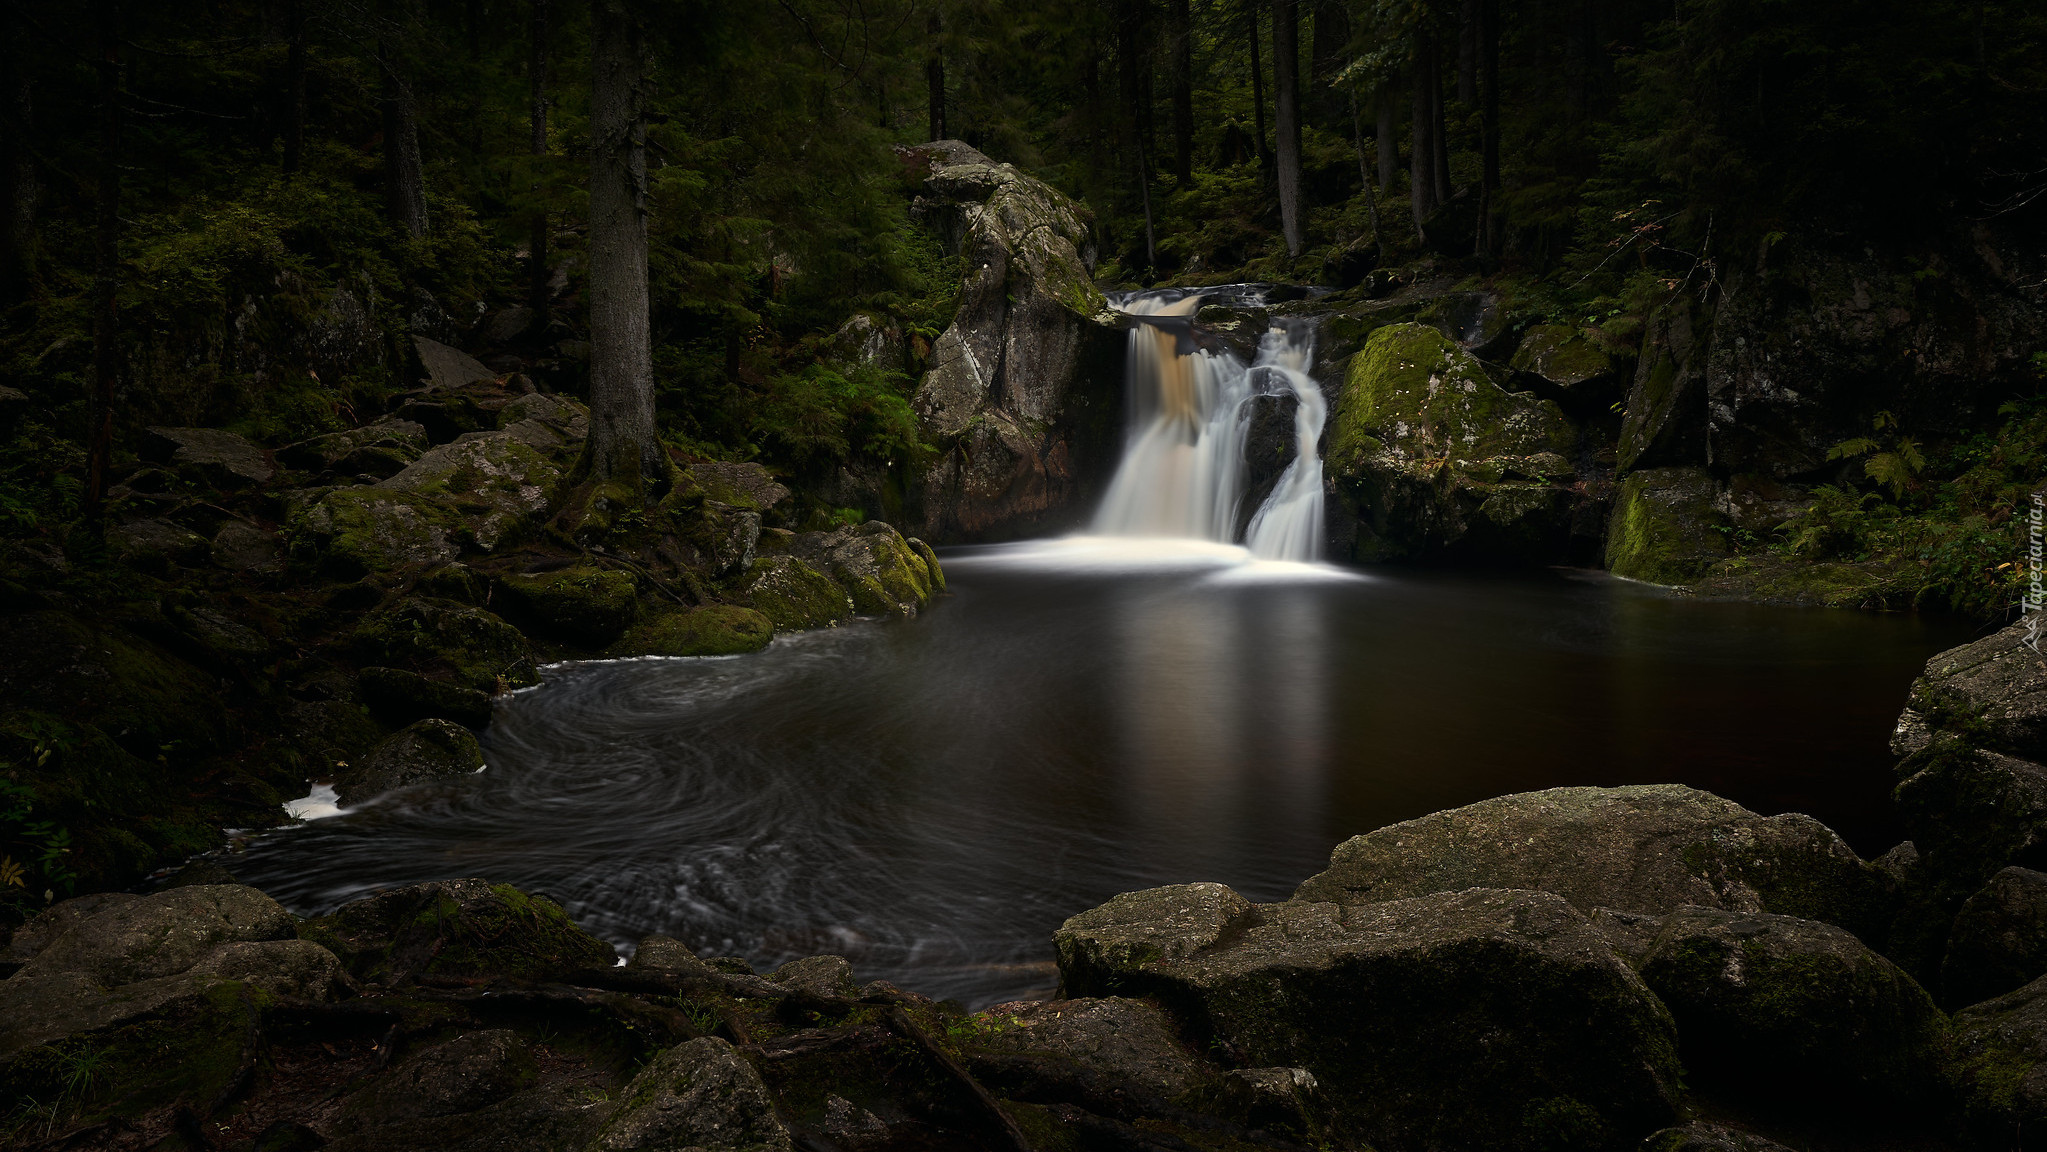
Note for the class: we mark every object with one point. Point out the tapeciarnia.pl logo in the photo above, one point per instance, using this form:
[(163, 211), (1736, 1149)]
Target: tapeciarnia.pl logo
[(2035, 546)]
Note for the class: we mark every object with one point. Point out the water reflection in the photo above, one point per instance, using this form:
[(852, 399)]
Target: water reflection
[(932, 797)]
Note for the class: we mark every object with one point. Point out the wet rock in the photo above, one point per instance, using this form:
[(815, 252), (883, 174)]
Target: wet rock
[(470, 1072), (1666, 526), (794, 595), (161, 934), (827, 976), (1665, 422), (477, 647), (873, 563), (1994, 688), (584, 604), (1100, 1046), (212, 455), (1563, 358), (365, 529), (1432, 457), (448, 368), (1999, 940), (456, 931), (423, 751), (2001, 1052), (999, 398), (701, 1094), (401, 697), (492, 481), (1789, 1011), (1510, 989), (1644, 848), (1972, 813), (243, 547), (667, 954), (713, 630), (45, 926), (155, 545), (1476, 322), (1708, 1138), (1274, 1099)]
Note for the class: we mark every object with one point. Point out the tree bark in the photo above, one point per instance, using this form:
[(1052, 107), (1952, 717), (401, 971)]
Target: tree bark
[(1180, 59), (1251, 8), (404, 175), (934, 76), (1357, 134), (1467, 53), (1421, 184), (106, 351), (17, 165), (622, 448), (1389, 143), (538, 294), (294, 85), (1489, 143), (1332, 38), (1439, 136), (1286, 63)]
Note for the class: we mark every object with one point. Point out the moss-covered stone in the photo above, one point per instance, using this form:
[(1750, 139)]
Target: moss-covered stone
[(874, 564), (477, 648), (456, 931), (1782, 1011), (422, 751), (401, 697), (792, 594), (584, 604), (1421, 439), (371, 529), (1666, 528), (713, 630), (1562, 356), (2001, 1056)]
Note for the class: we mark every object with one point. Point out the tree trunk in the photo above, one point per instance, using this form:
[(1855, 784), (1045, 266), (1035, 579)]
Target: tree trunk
[(1439, 137), (1357, 135), (934, 76), (537, 292), (17, 165), (294, 85), (1132, 86), (106, 352), (1421, 184), (622, 448), (1286, 63), (1489, 143), (1389, 143), (404, 178), (1332, 38), (1251, 9), (1467, 53), (1181, 61)]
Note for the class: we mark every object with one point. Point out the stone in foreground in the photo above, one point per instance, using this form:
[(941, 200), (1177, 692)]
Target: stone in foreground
[(1399, 1008), (698, 1095), (457, 932), (1641, 848), (1999, 941)]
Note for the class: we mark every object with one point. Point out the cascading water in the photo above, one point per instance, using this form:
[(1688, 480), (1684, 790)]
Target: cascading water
[(1183, 472)]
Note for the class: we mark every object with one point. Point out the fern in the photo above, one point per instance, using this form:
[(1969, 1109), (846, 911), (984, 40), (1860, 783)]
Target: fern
[(1859, 446)]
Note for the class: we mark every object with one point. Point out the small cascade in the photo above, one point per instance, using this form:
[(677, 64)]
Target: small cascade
[(1183, 471)]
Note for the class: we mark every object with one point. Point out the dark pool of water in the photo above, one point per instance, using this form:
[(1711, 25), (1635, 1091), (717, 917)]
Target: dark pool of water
[(932, 797)]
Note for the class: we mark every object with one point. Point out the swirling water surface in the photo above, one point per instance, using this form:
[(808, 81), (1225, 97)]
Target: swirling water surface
[(931, 797)]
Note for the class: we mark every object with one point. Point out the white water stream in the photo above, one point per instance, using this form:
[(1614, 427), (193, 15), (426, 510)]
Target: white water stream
[(1183, 473)]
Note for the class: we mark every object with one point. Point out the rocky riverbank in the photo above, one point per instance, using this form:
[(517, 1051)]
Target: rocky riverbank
[(1581, 968)]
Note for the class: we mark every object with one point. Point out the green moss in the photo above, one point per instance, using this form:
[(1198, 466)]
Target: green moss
[(1646, 410), (1561, 355), (584, 604), (715, 630), (1420, 396), (461, 931), (421, 634), (367, 529), (794, 595), (1664, 527)]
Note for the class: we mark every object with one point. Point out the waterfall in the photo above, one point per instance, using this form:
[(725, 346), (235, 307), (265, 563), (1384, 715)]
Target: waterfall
[(1183, 472)]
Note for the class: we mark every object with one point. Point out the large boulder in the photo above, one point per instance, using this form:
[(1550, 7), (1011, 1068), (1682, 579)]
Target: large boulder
[(1999, 939), (1095, 1048), (1666, 526), (401, 697), (882, 572), (792, 594), (1644, 848), (477, 649), (1993, 692), (1005, 396), (1400, 1008), (456, 931), (470, 1072), (713, 630), (1436, 459), (584, 604), (161, 935), (1564, 359), (1664, 424), (479, 493), (1784, 1011), (210, 455), (423, 751), (699, 1095), (2001, 1050)]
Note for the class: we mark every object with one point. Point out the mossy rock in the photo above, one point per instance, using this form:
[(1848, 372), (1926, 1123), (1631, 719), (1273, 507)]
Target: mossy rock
[(368, 529), (793, 595), (456, 931), (401, 697), (1562, 356), (419, 752), (584, 604), (882, 572), (713, 630), (479, 648), (1666, 527)]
